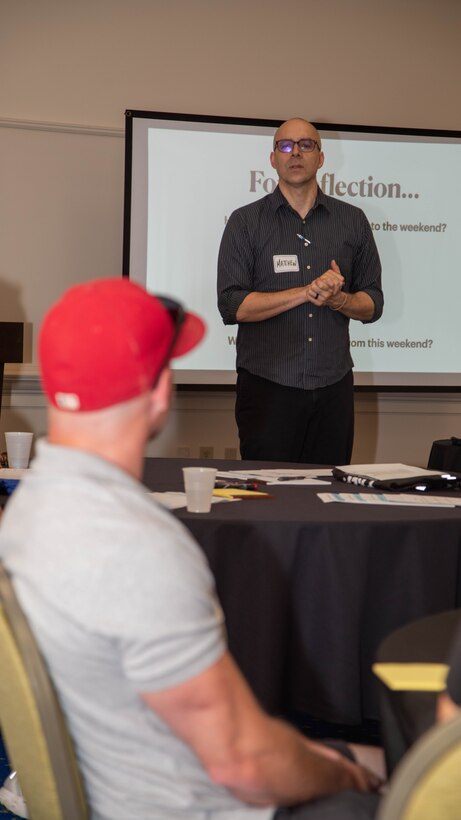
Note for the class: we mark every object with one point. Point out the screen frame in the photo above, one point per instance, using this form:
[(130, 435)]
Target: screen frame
[(225, 380)]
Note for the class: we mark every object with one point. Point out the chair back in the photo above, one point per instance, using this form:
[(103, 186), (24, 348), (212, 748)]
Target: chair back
[(31, 721), (427, 783)]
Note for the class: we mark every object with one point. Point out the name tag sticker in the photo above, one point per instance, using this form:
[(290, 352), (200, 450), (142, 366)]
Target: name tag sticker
[(285, 262)]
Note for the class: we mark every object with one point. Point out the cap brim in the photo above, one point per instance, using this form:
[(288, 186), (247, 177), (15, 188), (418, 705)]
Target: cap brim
[(191, 333)]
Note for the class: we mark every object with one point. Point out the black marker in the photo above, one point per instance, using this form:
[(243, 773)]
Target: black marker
[(234, 486)]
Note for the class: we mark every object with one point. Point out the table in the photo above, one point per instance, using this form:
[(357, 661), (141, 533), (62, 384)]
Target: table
[(310, 590)]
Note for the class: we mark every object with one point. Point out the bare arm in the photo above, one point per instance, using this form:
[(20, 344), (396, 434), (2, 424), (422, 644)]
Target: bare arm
[(446, 708), (353, 305), (257, 306), (262, 761)]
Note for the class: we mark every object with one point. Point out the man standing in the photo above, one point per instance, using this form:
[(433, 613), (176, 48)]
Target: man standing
[(293, 269), (121, 599)]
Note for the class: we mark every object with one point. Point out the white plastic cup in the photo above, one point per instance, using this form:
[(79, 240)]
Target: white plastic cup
[(18, 447), (199, 485)]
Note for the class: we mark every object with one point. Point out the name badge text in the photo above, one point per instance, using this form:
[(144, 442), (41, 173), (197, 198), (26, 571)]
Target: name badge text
[(285, 262)]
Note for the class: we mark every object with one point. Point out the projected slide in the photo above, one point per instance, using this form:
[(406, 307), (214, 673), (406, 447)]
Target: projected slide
[(187, 177)]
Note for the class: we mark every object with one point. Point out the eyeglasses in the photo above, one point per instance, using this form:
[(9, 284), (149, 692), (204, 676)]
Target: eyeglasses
[(306, 146), (177, 315)]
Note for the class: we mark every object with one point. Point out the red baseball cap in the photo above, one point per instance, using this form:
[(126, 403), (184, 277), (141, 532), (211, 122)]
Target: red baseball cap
[(107, 341)]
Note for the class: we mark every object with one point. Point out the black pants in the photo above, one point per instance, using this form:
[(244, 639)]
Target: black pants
[(278, 423), (347, 805)]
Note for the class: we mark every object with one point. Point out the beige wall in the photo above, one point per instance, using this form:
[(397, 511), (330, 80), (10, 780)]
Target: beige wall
[(366, 61), (69, 70)]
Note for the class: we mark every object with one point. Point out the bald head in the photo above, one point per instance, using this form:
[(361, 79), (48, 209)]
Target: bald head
[(296, 128)]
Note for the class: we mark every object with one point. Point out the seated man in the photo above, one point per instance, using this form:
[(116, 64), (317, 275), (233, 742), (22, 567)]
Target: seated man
[(123, 604), (449, 701), (409, 707)]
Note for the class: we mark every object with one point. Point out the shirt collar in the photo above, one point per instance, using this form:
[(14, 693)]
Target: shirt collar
[(277, 200), (70, 461)]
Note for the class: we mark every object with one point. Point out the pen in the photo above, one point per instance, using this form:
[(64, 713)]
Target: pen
[(303, 239), (235, 486), (293, 477), (241, 480)]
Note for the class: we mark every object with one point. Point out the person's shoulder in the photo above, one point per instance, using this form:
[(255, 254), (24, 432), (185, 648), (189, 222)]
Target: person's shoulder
[(253, 209), (339, 206)]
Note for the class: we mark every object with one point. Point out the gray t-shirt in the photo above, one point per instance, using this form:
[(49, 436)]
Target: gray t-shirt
[(121, 601)]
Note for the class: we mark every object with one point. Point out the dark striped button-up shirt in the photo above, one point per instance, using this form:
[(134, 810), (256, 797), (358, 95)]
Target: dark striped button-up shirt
[(307, 346)]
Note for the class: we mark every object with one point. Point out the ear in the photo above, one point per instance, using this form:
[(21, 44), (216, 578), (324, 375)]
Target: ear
[(321, 159), (160, 396), (272, 159)]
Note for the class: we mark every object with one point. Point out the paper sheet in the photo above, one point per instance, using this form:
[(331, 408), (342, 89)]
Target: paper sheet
[(174, 501), (284, 475), (413, 677), (11, 473), (234, 492), (392, 499)]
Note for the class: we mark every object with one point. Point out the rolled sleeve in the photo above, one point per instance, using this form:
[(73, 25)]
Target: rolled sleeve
[(235, 265), (367, 271)]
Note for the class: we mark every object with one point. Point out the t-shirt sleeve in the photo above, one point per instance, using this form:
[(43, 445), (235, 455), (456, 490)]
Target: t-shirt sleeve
[(171, 626)]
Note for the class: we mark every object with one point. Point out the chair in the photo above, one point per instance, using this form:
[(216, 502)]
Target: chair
[(424, 759), (427, 785), (31, 720), (412, 665)]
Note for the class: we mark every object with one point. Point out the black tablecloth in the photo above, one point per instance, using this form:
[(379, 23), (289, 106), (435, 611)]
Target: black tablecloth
[(309, 589)]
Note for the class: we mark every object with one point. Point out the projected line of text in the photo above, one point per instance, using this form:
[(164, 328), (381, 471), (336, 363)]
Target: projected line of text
[(425, 344)]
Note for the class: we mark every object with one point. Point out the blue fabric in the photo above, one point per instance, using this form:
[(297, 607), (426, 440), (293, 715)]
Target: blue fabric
[(4, 772)]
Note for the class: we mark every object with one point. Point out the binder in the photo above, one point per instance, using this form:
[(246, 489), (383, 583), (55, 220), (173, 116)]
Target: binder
[(396, 477)]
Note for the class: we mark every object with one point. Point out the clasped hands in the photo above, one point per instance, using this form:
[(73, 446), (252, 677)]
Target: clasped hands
[(323, 290)]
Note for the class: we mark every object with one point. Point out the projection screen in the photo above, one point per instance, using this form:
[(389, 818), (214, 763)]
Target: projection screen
[(185, 174)]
